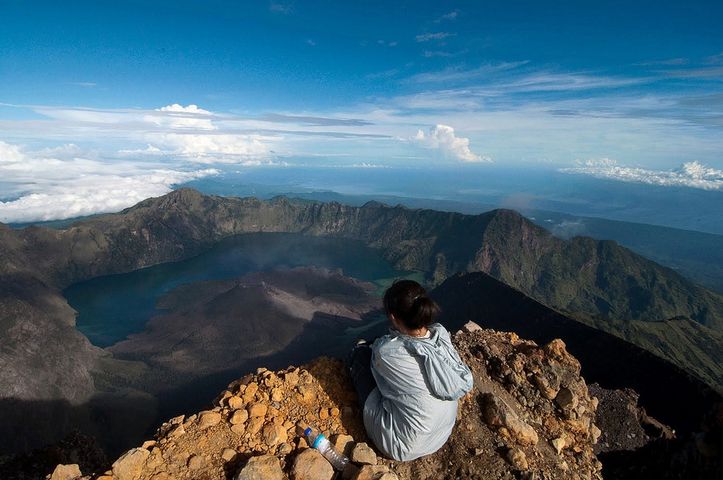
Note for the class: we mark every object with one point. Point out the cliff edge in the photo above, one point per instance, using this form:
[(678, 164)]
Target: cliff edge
[(529, 415)]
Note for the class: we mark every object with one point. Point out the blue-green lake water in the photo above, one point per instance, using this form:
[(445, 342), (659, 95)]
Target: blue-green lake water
[(112, 307)]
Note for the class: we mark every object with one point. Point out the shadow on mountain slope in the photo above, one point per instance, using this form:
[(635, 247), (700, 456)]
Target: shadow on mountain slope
[(606, 359)]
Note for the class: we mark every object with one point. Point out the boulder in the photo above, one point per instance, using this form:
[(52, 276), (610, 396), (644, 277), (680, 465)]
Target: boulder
[(258, 410), (517, 459), (343, 443), (208, 419), (311, 465), (273, 434), (235, 402), (373, 472), (254, 425), (363, 454), (228, 454), (66, 472), (556, 349), (497, 413), (470, 327), (195, 462), (130, 465), (264, 467), (238, 417)]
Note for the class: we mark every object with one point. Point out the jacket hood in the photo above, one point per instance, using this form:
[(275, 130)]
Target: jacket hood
[(447, 376)]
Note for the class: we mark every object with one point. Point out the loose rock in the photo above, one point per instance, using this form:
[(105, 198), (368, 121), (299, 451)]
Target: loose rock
[(343, 443), (363, 454), (258, 410), (228, 454), (311, 465), (517, 459), (264, 467), (470, 327), (273, 434), (130, 465), (208, 419), (195, 462), (372, 472), (497, 413), (239, 416), (235, 402), (66, 472)]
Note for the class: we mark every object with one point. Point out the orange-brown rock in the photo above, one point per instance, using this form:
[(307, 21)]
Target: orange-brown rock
[(509, 422)]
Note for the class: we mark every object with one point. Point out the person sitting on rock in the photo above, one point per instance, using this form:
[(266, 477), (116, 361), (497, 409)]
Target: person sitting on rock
[(409, 382)]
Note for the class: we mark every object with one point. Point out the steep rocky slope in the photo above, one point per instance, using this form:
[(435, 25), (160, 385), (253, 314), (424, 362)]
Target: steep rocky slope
[(606, 359), (529, 415)]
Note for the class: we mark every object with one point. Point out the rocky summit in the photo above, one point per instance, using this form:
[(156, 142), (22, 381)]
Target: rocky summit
[(529, 415)]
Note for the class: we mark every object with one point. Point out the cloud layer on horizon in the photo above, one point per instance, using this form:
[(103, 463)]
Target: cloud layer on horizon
[(689, 174), (517, 112), (44, 187)]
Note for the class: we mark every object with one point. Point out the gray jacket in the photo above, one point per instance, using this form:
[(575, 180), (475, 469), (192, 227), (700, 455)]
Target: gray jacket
[(412, 411)]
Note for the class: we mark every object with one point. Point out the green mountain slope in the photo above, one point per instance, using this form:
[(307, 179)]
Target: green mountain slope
[(597, 279)]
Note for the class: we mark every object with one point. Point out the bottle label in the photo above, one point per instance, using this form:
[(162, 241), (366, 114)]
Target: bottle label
[(319, 439)]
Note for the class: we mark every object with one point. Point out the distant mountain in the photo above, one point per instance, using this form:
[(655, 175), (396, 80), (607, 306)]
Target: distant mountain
[(696, 255), (599, 278), (43, 357)]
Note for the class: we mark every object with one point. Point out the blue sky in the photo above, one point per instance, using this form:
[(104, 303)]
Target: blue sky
[(145, 94)]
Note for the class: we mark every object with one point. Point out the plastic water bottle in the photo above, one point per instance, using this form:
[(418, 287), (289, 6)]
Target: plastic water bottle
[(323, 445)]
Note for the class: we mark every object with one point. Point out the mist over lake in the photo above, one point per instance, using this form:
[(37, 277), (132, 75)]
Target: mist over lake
[(112, 307)]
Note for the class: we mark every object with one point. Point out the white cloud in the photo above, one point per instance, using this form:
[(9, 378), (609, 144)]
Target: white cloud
[(443, 138), (448, 16), (458, 74), (175, 130), (177, 108), (10, 153), (690, 174), (568, 228), (51, 188), (437, 53), (426, 37), (282, 8), (176, 116), (206, 148), (149, 150)]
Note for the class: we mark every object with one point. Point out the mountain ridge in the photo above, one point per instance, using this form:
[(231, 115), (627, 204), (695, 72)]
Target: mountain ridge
[(424, 248), (183, 223)]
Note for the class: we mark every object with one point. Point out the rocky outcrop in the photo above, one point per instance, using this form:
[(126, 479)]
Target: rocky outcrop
[(508, 425)]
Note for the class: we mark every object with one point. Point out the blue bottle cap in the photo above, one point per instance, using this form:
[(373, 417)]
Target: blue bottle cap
[(307, 432)]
